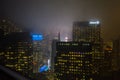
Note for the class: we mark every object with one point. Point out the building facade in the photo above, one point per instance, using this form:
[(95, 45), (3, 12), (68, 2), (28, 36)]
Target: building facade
[(73, 61), (37, 51), (90, 31), (16, 52), (87, 31)]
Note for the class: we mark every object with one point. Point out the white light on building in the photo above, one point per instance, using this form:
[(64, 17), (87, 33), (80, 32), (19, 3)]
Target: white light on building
[(94, 22), (49, 64), (66, 39)]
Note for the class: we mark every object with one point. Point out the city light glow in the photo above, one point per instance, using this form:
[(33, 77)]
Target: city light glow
[(66, 39)]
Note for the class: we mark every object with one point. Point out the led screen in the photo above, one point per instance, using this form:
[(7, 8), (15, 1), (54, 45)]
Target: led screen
[(37, 37)]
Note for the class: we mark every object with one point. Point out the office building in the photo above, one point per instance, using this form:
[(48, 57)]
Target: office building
[(41, 51), (86, 31), (90, 31), (37, 51), (73, 61), (17, 52)]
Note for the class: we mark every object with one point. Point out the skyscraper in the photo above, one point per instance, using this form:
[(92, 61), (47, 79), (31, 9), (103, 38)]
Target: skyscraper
[(37, 51), (41, 51), (17, 52), (73, 61), (87, 31), (90, 31)]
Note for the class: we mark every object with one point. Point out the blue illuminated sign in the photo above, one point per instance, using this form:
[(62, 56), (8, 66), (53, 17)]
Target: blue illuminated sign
[(37, 37), (43, 68)]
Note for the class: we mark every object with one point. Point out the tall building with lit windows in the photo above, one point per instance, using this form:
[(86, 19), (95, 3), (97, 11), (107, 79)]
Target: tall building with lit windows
[(90, 31), (37, 52), (87, 31), (73, 61), (17, 52)]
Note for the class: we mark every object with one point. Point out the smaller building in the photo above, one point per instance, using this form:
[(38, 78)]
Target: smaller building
[(116, 54)]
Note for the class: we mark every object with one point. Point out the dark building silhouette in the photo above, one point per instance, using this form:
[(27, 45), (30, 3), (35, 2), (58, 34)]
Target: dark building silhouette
[(107, 59), (1, 37), (116, 54), (73, 61), (1, 34), (53, 54)]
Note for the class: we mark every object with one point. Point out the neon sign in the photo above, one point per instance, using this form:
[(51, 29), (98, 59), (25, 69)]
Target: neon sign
[(37, 37)]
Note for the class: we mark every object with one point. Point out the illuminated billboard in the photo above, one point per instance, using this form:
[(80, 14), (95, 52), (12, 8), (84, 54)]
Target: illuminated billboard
[(37, 37), (43, 68)]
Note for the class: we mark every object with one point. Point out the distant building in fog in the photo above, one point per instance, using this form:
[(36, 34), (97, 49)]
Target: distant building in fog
[(73, 61), (87, 31), (108, 56), (16, 52), (7, 26), (116, 54)]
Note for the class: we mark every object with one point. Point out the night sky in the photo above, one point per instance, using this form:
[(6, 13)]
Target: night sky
[(59, 15)]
